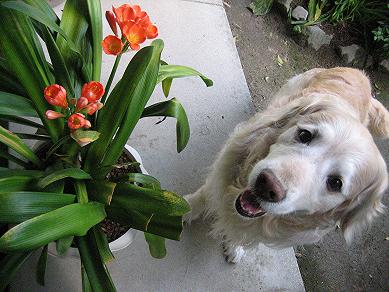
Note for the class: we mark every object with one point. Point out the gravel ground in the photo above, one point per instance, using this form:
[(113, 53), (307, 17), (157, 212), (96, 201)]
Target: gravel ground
[(329, 265)]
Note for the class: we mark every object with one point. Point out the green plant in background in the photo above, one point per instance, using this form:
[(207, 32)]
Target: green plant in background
[(315, 15), (261, 7), (381, 37), (59, 191)]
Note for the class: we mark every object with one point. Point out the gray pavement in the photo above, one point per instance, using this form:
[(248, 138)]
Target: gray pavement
[(197, 34)]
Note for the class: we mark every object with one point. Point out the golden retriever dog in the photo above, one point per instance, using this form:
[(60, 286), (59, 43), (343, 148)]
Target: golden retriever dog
[(305, 165)]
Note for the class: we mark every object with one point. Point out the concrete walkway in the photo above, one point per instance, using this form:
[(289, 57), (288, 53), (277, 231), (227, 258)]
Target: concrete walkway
[(196, 33)]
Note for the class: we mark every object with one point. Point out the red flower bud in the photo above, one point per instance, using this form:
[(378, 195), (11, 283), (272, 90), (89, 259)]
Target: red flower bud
[(87, 124), (111, 21), (82, 102), (93, 91), (76, 121), (52, 115), (56, 95), (93, 107)]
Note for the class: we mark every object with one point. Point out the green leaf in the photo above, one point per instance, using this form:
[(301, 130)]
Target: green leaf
[(165, 226), (261, 7), (56, 145), (95, 23), (27, 136), (10, 157), (176, 71), (10, 264), (24, 56), (83, 137), (41, 267), (15, 143), (102, 245), (16, 207), (59, 66), (172, 108), (156, 245), (38, 15), (75, 219), (75, 26), (15, 183), (75, 173), (15, 105), (166, 85), (63, 244), (101, 191), (124, 107), (144, 200), (145, 180), (22, 121), (97, 272), (86, 287)]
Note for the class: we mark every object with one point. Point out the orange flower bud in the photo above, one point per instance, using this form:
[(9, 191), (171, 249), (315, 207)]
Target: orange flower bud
[(52, 115), (112, 45), (82, 102), (56, 95), (76, 121), (93, 91), (111, 21)]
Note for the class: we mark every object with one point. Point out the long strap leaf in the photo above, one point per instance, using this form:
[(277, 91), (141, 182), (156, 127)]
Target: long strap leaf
[(15, 105), (16, 207), (148, 200), (75, 219), (94, 9), (10, 264), (15, 143), (172, 108), (24, 56), (124, 107), (75, 173), (97, 272), (22, 121), (169, 72)]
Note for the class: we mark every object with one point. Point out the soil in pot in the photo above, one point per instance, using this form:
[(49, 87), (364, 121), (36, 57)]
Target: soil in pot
[(113, 230)]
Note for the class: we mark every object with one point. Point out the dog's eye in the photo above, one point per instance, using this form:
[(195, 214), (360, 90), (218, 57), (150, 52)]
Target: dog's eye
[(334, 184), (304, 136)]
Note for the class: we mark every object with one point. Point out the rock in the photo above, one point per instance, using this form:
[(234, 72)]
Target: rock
[(300, 13), (385, 64), (355, 55), (283, 5), (317, 37)]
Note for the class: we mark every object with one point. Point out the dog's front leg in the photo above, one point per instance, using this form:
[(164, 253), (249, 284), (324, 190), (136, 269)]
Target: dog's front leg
[(233, 253), (197, 204)]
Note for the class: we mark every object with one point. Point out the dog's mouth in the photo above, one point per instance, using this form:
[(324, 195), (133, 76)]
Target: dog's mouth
[(248, 205)]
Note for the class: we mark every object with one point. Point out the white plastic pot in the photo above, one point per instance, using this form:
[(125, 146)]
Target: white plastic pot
[(124, 240)]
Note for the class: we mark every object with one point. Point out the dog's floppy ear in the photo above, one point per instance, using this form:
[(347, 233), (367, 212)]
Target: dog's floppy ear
[(378, 119), (363, 209)]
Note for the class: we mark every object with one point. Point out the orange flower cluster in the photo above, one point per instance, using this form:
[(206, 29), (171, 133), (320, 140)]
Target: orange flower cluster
[(87, 104), (135, 26)]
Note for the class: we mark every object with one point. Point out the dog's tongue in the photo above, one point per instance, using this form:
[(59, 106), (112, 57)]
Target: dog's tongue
[(248, 205)]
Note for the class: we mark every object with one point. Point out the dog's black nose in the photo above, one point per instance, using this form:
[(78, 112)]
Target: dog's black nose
[(268, 187)]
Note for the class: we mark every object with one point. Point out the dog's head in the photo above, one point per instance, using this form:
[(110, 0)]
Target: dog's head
[(322, 160)]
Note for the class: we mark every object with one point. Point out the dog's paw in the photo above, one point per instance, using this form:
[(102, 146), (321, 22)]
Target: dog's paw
[(233, 255)]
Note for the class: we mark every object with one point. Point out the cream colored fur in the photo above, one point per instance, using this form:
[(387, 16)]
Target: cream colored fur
[(337, 103)]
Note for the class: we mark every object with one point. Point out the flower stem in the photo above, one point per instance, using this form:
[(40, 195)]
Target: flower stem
[(113, 72), (111, 76)]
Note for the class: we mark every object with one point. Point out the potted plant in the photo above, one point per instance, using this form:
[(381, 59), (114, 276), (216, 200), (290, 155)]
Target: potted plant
[(63, 189)]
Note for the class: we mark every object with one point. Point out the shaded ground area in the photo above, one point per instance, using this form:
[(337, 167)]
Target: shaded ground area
[(329, 265)]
